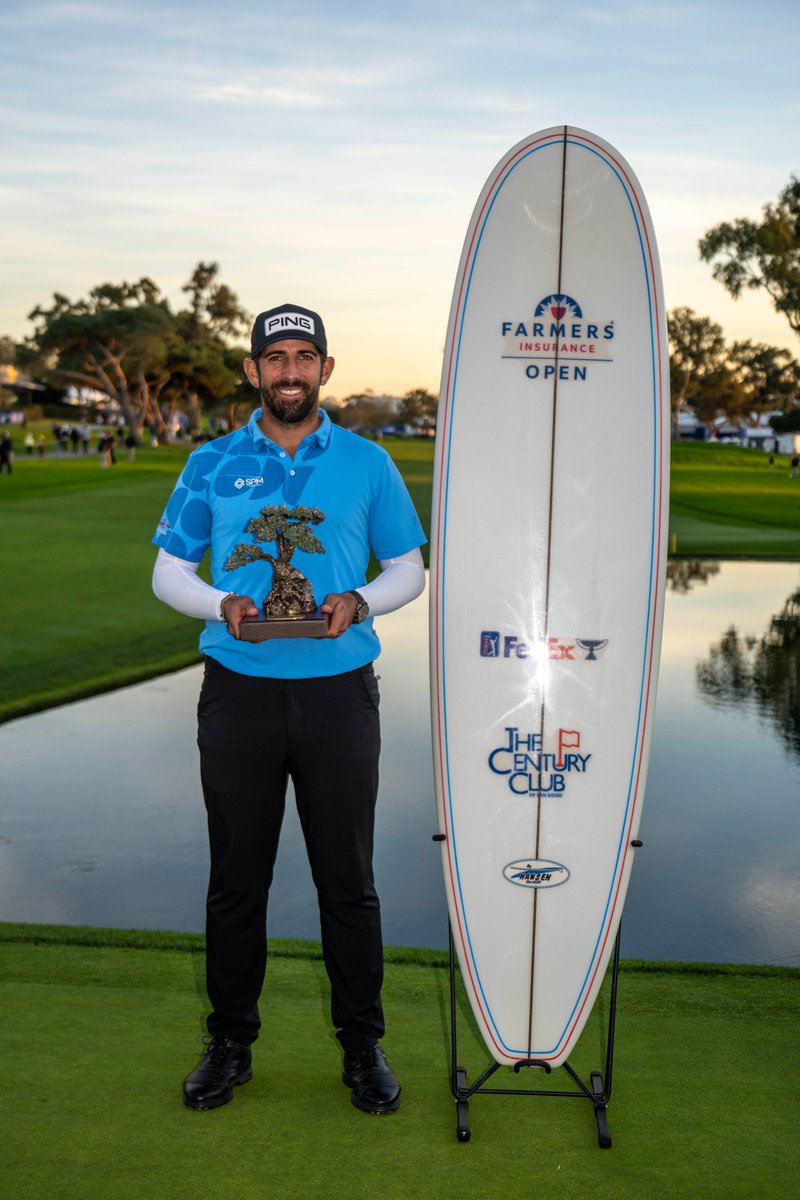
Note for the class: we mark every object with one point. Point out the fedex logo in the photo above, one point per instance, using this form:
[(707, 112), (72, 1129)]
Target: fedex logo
[(493, 645)]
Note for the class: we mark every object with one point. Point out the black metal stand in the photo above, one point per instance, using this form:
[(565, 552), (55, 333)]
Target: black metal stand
[(598, 1092)]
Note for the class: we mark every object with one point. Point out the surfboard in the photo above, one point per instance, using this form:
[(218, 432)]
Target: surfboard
[(547, 581)]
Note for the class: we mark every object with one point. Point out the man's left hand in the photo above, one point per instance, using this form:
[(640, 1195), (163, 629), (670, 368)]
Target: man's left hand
[(341, 610)]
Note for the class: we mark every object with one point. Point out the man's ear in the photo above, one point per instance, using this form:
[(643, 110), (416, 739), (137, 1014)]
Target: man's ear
[(251, 371), (327, 370)]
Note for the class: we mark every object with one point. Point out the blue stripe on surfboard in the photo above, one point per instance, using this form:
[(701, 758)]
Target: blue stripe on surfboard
[(655, 374), (443, 524)]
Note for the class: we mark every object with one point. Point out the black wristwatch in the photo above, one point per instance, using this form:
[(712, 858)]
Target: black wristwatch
[(362, 608)]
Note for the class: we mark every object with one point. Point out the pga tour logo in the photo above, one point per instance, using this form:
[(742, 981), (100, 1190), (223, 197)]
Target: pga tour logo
[(536, 873), (289, 321)]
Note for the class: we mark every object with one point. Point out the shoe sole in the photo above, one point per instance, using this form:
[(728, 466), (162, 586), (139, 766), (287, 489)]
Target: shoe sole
[(377, 1110), (384, 1110), (208, 1107)]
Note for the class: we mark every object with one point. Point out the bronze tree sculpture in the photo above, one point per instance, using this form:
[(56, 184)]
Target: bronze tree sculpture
[(291, 595)]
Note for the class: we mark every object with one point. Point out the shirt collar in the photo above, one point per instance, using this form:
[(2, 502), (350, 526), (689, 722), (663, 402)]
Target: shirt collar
[(320, 437)]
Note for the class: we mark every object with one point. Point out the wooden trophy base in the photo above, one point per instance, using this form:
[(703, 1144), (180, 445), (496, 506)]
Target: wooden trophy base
[(261, 629)]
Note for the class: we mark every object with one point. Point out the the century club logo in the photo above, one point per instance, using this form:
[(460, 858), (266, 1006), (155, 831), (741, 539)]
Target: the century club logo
[(558, 341), (534, 766)]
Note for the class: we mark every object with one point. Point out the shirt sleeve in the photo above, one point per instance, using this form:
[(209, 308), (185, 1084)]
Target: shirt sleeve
[(394, 527), (185, 526)]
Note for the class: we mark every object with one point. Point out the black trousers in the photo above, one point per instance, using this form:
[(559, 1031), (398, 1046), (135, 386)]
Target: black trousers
[(253, 735)]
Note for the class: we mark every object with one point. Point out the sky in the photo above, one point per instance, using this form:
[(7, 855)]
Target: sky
[(329, 152)]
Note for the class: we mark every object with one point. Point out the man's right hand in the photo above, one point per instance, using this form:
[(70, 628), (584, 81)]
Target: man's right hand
[(234, 609)]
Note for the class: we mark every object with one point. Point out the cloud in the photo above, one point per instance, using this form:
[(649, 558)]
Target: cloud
[(264, 95), (666, 16)]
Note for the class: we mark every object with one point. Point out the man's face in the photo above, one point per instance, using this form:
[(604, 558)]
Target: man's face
[(288, 376)]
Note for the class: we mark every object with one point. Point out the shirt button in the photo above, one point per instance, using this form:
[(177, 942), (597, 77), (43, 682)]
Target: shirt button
[(283, 454), (291, 472)]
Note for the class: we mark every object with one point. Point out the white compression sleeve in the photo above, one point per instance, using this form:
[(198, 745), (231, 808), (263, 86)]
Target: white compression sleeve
[(175, 582), (400, 581)]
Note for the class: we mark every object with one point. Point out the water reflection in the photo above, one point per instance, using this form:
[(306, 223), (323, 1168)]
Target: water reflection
[(685, 573), (764, 671), (101, 821)]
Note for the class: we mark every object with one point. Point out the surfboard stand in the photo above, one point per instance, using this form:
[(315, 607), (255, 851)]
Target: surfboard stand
[(598, 1091)]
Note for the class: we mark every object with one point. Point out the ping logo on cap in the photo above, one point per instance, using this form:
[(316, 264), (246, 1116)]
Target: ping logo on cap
[(287, 321)]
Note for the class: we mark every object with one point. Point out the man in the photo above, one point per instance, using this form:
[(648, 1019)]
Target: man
[(300, 707), (6, 453)]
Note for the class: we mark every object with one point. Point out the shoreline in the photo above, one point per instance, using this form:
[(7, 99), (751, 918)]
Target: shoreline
[(110, 938)]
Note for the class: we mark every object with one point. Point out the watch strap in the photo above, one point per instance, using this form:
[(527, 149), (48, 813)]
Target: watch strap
[(362, 608)]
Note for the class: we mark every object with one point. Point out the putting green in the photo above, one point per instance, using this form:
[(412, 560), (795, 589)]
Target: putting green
[(96, 1040)]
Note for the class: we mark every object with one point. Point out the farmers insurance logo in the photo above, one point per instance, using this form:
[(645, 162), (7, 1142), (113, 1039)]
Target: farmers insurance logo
[(558, 327)]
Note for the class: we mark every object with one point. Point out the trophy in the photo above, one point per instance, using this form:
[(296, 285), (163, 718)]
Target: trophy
[(290, 609)]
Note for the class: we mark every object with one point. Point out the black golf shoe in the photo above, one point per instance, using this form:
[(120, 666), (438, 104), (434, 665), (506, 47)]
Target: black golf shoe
[(375, 1086), (224, 1065)]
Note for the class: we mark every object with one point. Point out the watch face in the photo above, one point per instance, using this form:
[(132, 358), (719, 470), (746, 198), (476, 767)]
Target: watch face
[(362, 608)]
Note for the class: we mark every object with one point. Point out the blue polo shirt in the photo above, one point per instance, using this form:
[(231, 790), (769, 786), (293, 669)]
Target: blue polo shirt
[(356, 485)]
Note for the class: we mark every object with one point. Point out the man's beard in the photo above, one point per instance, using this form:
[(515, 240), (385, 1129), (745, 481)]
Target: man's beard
[(290, 412)]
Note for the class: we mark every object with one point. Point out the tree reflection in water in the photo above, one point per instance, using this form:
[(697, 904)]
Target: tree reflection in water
[(763, 671), (684, 573)]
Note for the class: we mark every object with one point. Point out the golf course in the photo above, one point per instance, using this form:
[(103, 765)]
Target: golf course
[(703, 1100), (80, 615), (101, 1025)]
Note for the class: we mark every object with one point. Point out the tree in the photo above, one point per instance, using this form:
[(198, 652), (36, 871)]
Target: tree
[(215, 311), (364, 412), (788, 422), (698, 368), (125, 340), (417, 405), (761, 254), (291, 593), (202, 368), (114, 341), (769, 376)]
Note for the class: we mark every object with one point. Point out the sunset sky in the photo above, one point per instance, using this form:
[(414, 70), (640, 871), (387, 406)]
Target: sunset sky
[(330, 153)]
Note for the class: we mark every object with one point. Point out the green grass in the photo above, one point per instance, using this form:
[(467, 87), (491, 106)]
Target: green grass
[(726, 502), (97, 1038), (76, 607)]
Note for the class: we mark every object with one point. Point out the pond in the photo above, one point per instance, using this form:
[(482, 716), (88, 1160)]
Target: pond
[(102, 823)]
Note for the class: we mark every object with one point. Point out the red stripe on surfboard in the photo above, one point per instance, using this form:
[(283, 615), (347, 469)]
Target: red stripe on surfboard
[(492, 187), (658, 541)]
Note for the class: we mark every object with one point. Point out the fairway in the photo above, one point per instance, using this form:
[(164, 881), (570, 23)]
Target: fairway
[(78, 613), (97, 1039), (726, 502), (78, 558)]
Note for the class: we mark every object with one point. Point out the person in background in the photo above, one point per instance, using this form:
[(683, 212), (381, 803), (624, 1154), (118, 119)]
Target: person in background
[(6, 452)]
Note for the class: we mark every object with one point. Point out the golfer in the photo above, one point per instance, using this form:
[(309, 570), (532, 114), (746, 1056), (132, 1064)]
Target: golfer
[(305, 708)]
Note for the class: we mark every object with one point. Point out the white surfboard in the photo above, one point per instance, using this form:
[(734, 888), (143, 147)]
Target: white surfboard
[(547, 580)]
